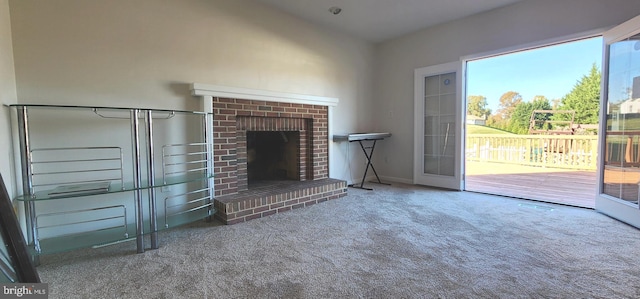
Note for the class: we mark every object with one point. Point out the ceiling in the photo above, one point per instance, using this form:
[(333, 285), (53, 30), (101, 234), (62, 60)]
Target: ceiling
[(380, 20)]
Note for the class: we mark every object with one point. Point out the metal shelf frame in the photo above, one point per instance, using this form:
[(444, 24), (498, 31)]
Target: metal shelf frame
[(105, 164)]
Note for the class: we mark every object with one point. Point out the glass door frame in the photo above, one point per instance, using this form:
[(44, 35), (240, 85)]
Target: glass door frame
[(454, 181), (606, 204)]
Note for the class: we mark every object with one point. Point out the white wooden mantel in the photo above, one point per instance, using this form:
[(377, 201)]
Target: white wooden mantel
[(207, 92)]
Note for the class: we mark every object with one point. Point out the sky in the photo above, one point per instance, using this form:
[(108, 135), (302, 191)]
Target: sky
[(550, 71)]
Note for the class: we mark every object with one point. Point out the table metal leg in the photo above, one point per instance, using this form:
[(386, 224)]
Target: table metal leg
[(153, 213), (33, 239), (369, 156), (137, 181)]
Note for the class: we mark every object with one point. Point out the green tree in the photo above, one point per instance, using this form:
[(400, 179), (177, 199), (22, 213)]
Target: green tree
[(477, 106), (521, 116), (584, 99)]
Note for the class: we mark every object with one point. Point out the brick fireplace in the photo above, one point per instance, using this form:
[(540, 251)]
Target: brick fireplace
[(232, 118), (303, 126)]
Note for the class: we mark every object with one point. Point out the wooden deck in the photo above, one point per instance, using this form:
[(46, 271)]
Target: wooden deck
[(570, 187)]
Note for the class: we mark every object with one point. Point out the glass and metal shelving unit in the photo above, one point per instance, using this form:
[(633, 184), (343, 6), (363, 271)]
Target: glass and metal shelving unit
[(97, 175)]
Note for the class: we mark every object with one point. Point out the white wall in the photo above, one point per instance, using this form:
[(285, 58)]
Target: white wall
[(522, 23), (7, 96), (145, 53)]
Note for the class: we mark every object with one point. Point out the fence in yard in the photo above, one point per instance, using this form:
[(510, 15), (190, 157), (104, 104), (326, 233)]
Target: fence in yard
[(558, 151)]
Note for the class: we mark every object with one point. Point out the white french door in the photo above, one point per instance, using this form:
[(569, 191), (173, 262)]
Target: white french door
[(619, 140), (438, 126)]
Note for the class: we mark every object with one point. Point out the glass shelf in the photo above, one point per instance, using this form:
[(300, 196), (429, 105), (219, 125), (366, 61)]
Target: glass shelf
[(112, 236), (188, 217), (117, 188), (105, 219), (82, 240)]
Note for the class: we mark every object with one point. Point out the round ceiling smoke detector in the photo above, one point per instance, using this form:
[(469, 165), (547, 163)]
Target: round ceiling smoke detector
[(335, 10)]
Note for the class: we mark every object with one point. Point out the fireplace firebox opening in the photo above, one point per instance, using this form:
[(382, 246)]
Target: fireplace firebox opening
[(273, 155)]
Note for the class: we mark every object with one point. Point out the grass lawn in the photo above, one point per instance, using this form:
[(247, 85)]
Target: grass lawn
[(477, 129)]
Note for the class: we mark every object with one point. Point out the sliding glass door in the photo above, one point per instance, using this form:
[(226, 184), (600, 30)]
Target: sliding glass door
[(438, 126), (620, 123)]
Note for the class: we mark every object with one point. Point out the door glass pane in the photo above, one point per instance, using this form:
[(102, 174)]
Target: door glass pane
[(439, 124), (448, 109), (447, 165), (432, 85), (431, 105), (622, 155)]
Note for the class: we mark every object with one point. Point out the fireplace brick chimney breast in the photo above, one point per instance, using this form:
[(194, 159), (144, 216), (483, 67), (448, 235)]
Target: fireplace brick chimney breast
[(233, 118)]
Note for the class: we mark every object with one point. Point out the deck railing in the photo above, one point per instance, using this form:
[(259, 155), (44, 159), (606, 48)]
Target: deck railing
[(558, 151), (623, 148)]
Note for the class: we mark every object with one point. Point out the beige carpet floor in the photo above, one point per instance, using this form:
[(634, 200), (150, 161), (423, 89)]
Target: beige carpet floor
[(398, 241)]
